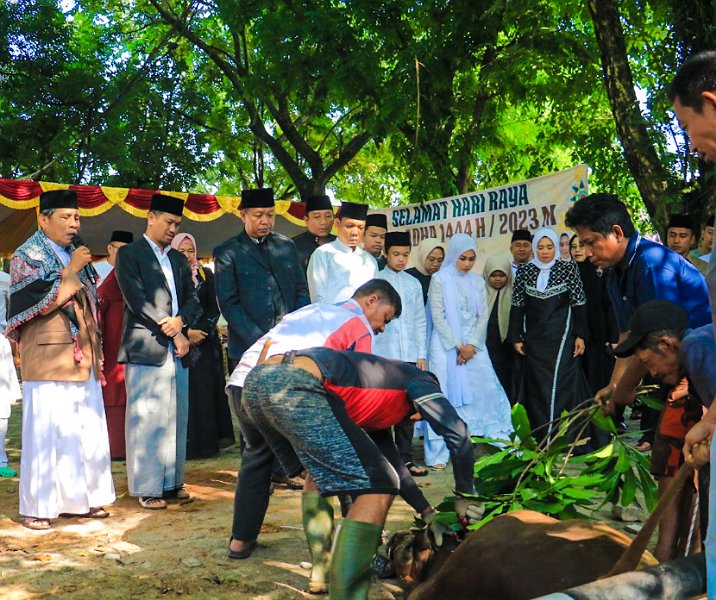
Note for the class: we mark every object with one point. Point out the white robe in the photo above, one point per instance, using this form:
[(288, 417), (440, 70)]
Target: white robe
[(64, 465), (404, 338), (335, 271), (486, 410)]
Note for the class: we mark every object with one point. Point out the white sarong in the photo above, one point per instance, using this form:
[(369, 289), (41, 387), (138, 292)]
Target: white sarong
[(65, 464)]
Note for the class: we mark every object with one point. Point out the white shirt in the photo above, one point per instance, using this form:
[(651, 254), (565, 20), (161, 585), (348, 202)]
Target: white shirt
[(62, 253), (166, 265), (335, 271), (404, 338), (307, 327)]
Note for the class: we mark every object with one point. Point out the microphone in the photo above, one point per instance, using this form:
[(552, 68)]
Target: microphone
[(88, 270)]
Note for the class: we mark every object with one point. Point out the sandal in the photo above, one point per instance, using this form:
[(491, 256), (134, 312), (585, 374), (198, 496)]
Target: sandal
[(96, 512), (438, 467), (37, 524), (179, 495), (152, 503), (416, 470), (7, 472), (643, 446)]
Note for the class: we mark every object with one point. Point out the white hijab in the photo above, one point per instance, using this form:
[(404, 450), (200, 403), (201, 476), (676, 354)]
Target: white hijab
[(456, 284), (544, 268)]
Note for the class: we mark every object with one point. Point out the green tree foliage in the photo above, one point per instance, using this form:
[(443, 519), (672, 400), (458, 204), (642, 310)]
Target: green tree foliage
[(391, 102)]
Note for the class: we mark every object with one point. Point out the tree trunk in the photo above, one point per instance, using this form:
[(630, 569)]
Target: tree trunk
[(651, 178), (320, 172)]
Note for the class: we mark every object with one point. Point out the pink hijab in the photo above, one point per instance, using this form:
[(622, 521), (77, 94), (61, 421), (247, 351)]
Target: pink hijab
[(176, 242)]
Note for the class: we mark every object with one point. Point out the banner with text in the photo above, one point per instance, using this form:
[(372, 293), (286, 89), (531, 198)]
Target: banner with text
[(490, 216)]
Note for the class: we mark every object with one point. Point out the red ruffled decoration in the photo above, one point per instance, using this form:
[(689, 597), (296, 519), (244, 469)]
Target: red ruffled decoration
[(19, 190)]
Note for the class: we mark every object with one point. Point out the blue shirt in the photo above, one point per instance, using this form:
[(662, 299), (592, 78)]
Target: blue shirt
[(697, 355), (654, 272)]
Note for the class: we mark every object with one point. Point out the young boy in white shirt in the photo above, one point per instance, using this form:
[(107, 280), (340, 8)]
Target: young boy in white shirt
[(405, 338)]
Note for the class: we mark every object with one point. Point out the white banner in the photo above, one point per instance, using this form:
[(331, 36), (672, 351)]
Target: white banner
[(490, 216)]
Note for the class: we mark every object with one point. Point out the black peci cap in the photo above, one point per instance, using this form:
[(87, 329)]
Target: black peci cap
[(58, 199), (318, 203), (126, 237), (259, 198), (376, 220), (521, 235), (167, 204), (353, 210), (397, 238)]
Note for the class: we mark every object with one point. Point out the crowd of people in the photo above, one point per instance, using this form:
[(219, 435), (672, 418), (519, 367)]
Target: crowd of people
[(339, 348)]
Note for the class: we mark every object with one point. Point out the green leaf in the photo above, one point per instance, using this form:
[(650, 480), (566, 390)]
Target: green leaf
[(629, 491), (623, 461), (521, 422), (604, 422), (573, 492)]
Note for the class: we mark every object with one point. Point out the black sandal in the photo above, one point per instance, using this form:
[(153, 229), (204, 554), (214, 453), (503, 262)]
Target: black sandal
[(416, 470)]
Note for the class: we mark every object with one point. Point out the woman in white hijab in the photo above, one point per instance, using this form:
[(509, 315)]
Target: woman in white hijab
[(548, 324), (457, 307)]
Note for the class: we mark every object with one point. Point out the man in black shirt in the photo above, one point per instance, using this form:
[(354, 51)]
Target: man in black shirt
[(319, 221)]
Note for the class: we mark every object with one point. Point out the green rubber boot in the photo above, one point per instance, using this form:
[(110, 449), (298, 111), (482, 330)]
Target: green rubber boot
[(318, 527), (353, 552)]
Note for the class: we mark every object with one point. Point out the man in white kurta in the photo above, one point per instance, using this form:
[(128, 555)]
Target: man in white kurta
[(404, 338), (339, 268), (65, 466)]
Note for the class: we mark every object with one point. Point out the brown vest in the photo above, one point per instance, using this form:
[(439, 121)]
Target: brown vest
[(47, 350)]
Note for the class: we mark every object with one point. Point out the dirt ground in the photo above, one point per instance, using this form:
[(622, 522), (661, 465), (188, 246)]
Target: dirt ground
[(181, 551)]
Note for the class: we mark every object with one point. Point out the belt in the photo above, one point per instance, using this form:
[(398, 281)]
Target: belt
[(302, 362)]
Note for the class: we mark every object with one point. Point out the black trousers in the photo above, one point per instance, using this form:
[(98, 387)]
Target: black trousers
[(253, 487), (276, 469), (403, 435)]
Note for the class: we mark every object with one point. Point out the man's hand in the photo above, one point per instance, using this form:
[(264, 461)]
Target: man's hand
[(697, 444), (181, 345), (196, 336), (578, 346), (81, 257), (171, 326), (520, 348), (469, 509), (604, 398), (612, 396), (421, 364)]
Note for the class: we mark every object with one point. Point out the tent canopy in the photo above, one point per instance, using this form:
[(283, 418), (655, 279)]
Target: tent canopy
[(210, 219)]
